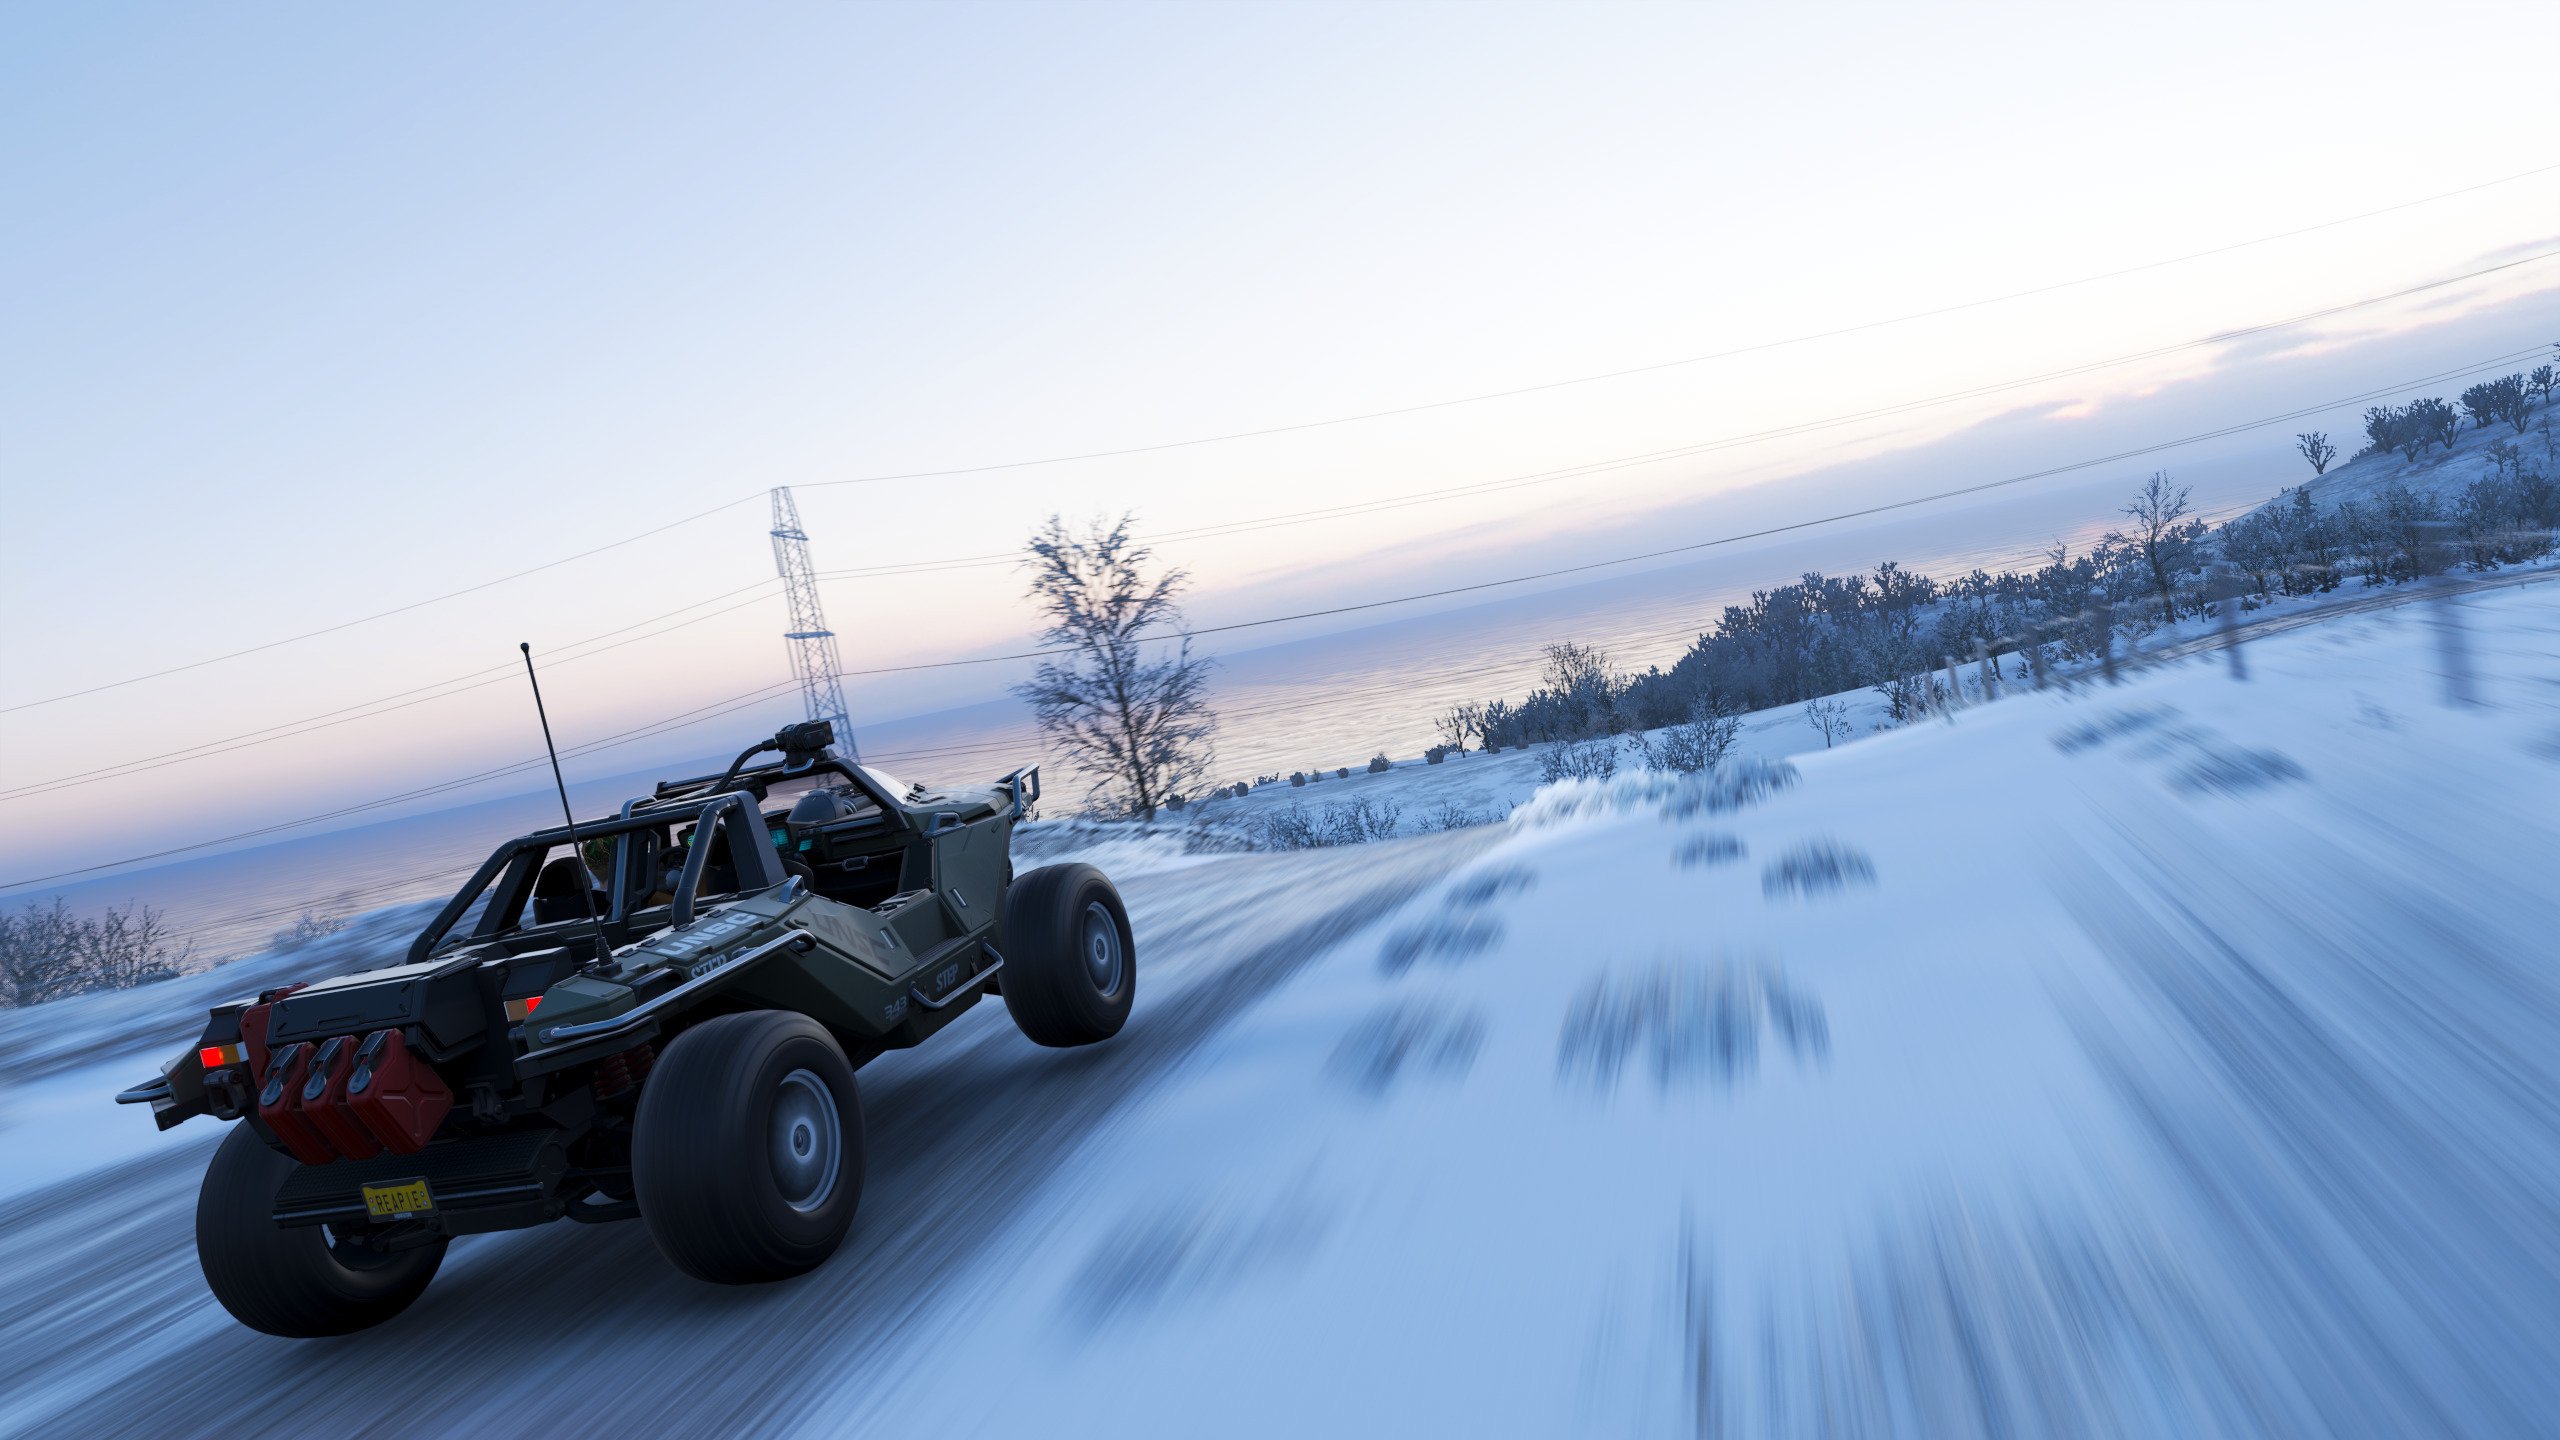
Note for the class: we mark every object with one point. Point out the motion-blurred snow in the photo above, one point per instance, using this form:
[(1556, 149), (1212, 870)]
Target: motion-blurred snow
[(2173, 1058)]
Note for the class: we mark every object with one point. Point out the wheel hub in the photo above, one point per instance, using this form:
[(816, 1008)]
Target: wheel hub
[(1100, 944), (808, 1141)]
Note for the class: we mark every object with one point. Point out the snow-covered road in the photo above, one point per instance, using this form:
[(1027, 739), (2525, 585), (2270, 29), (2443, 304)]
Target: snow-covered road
[(106, 1328), (2174, 1058)]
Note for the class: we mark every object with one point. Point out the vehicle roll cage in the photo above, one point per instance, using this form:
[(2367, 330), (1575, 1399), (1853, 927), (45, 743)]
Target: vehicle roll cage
[(723, 806), (731, 818)]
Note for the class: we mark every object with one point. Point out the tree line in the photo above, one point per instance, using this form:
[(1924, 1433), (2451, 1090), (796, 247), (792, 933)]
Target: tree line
[(1889, 629)]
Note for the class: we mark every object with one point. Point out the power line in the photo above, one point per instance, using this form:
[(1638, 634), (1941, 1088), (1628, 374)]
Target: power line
[(1760, 347), (679, 721), (1757, 348), (330, 719), (377, 615), (1932, 498), (1804, 427), (753, 697)]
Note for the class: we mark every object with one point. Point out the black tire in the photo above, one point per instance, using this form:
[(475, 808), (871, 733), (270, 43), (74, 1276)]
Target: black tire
[(1058, 982), (297, 1282), (730, 1150)]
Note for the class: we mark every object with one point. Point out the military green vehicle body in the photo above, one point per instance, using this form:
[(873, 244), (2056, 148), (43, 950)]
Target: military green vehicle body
[(523, 1062)]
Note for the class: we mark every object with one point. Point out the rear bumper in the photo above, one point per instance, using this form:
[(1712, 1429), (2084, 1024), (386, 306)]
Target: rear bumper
[(482, 1182)]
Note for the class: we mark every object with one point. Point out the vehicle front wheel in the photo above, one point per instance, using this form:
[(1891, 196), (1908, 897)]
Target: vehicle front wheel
[(297, 1282), (1070, 962), (746, 1154)]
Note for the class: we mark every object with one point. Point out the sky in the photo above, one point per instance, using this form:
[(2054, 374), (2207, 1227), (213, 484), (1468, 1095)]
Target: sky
[(315, 314)]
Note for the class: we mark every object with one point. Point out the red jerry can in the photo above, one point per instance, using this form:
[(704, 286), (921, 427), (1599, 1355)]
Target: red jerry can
[(278, 1102), (397, 1097), (324, 1100)]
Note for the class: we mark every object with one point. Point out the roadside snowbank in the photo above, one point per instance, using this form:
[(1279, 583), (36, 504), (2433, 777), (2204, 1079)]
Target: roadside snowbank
[(2171, 1058)]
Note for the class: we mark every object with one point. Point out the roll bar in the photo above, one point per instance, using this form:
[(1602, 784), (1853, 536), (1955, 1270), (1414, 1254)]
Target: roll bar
[(732, 815)]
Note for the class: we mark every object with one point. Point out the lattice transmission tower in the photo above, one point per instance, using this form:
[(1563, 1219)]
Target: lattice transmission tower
[(813, 645)]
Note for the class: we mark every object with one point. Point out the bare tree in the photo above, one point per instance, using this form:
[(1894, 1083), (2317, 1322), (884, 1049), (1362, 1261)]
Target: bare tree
[(1460, 723), (48, 951), (2315, 447), (1831, 717), (2162, 535), (1586, 683), (1141, 730)]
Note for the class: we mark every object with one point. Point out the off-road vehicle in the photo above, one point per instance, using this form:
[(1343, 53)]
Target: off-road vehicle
[(675, 1041)]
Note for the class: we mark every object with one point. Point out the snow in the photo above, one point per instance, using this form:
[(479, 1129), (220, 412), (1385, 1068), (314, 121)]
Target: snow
[(2442, 472), (2173, 1057)]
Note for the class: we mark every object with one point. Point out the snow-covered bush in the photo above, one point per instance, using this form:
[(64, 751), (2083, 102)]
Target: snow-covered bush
[(1380, 764), (309, 926), (47, 951), (1816, 867), (1685, 1022), (1295, 827), (1298, 778), (1342, 772), (1449, 815), (1697, 743), (1672, 795), (1407, 1037), (1435, 754), (1595, 759), (1829, 716)]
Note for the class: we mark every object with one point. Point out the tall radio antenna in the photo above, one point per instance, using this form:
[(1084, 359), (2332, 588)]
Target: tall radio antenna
[(813, 645), (577, 850)]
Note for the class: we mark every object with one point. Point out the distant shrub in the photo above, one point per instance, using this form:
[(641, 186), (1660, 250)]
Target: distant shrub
[(1298, 778), (1452, 816), (1380, 764), (1295, 827), (47, 952), (1175, 803), (1816, 867), (1239, 789), (1595, 759), (1342, 772), (1435, 754), (308, 927), (1697, 743)]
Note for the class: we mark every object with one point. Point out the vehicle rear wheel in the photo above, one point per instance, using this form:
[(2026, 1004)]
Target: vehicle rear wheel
[(1070, 962), (298, 1282), (746, 1154)]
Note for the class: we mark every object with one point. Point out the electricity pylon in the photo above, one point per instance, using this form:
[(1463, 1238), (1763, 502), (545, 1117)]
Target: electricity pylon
[(813, 645)]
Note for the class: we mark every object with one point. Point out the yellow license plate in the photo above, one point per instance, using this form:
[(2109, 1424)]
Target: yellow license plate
[(399, 1200)]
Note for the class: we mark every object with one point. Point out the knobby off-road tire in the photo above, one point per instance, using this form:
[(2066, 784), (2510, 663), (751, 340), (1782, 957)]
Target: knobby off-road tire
[(746, 1154), (1070, 963), (300, 1282)]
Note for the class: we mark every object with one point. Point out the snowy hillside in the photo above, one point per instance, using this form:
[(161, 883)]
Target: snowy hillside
[(2439, 472), (2173, 1059)]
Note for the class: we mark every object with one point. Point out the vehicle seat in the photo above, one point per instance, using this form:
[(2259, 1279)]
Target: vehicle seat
[(555, 891), (849, 846)]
